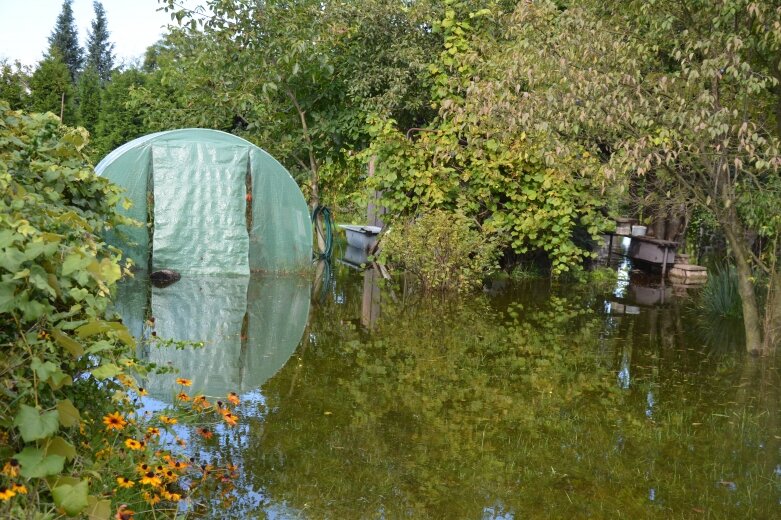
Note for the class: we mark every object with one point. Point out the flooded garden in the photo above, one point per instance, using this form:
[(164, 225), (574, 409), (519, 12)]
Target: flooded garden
[(530, 400)]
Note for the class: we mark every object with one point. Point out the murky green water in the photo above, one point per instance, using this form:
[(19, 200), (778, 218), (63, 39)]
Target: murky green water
[(526, 402)]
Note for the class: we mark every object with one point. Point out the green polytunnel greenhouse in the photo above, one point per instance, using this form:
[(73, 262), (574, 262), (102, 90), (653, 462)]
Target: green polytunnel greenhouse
[(214, 204)]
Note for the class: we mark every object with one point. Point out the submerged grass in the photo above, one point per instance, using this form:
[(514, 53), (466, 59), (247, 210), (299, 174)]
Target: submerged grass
[(720, 297)]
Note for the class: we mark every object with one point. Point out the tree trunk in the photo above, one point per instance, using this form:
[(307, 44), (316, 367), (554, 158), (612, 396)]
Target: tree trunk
[(751, 320), (313, 167), (773, 314)]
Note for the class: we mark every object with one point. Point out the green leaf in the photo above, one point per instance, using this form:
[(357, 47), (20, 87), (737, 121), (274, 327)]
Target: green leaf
[(11, 259), (98, 509), (69, 415), (75, 262), (106, 371), (6, 296), (59, 446), (36, 464), (101, 327), (72, 499), (43, 370), (34, 425), (68, 343), (59, 379)]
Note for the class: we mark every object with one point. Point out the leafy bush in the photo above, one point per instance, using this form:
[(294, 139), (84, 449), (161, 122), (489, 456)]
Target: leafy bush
[(442, 250), (71, 438)]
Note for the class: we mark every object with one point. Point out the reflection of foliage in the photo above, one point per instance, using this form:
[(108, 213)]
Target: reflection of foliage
[(456, 391), (451, 408)]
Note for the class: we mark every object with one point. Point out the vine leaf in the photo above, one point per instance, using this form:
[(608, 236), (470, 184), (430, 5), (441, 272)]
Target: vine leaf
[(71, 498), (36, 464), (34, 425), (68, 414)]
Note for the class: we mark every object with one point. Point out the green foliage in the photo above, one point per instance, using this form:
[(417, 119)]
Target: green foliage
[(442, 250), (14, 84), (89, 94), (118, 123), (67, 364), (676, 93), (99, 49), (51, 89), (64, 41), (526, 271), (508, 182), (297, 78), (603, 277), (720, 297)]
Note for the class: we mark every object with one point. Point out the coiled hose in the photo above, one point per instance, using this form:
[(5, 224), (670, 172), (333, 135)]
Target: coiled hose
[(324, 228)]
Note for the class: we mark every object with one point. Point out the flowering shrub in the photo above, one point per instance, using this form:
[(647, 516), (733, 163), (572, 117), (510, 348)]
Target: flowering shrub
[(72, 438)]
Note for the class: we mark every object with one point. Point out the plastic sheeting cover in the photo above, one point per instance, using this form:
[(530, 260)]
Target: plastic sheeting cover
[(199, 201), (196, 179)]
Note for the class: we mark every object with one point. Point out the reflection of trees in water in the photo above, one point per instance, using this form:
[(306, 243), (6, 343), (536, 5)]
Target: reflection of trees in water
[(446, 410)]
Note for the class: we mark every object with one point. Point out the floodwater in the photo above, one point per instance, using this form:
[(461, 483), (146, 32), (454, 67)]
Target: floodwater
[(361, 400)]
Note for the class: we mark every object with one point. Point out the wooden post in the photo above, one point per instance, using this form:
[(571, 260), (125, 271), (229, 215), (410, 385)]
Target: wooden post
[(664, 263), (372, 211)]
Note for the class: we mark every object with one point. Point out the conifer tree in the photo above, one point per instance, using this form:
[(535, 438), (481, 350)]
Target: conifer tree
[(89, 94), (51, 89), (118, 123), (99, 49), (65, 41)]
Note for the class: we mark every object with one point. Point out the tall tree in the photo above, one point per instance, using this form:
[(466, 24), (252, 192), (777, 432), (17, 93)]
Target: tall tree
[(65, 40), (99, 49), (89, 94), (51, 89), (118, 123)]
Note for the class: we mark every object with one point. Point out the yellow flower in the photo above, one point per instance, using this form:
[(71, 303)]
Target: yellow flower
[(6, 493), (114, 421), (233, 398), (125, 482), (200, 401), (133, 444), (230, 419), (150, 479), (178, 464), (183, 397), (153, 432), (205, 433), (184, 382), (143, 468), (173, 497), (167, 420), (11, 468), (151, 499), (142, 391), (124, 514), (19, 489), (126, 380)]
